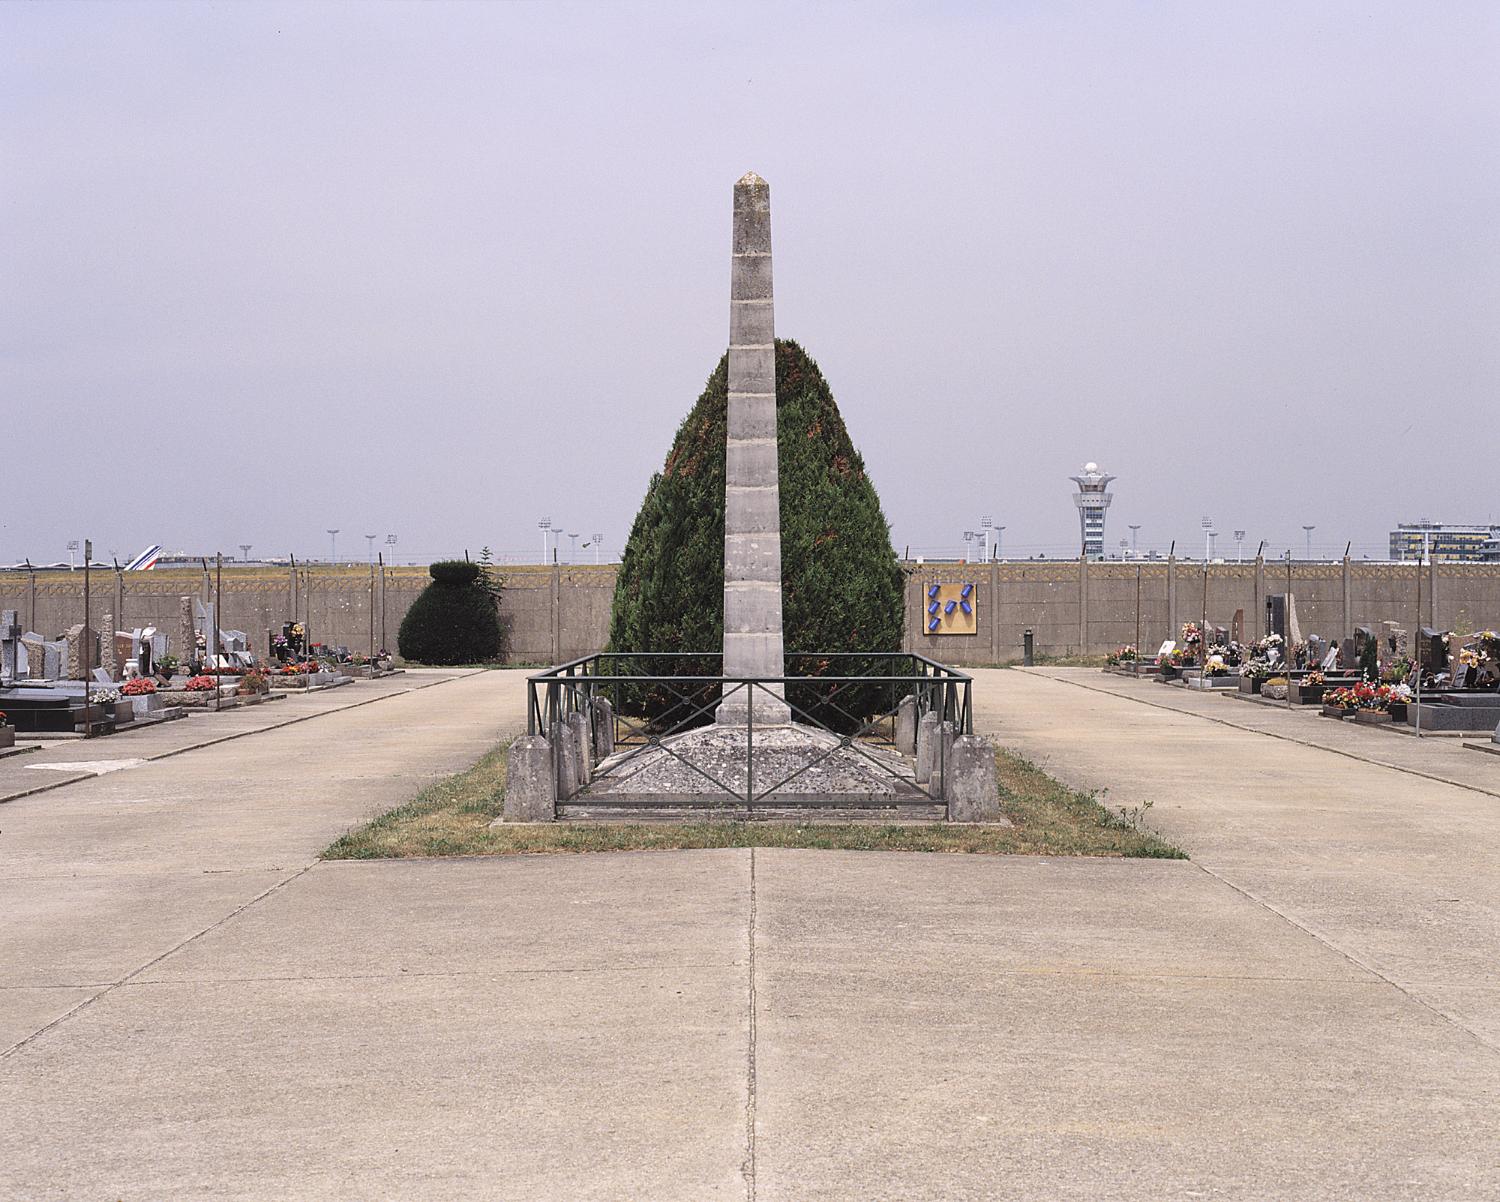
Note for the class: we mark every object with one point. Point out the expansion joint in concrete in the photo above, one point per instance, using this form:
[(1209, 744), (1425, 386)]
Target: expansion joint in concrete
[(750, 1083)]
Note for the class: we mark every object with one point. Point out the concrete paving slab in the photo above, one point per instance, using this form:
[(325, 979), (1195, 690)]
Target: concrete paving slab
[(617, 911), (561, 1027), (25, 1010), (937, 1062), (97, 929), (534, 1085)]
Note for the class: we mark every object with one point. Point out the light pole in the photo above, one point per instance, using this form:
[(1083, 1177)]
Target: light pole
[(245, 552), (370, 544), (333, 544), (72, 547), (1135, 548), (598, 544), (999, 530), (1239, 546), (985, 525), (1213, 542), (1208, 525), (544, 525), (573, 548), (968, 546), (390, 541), (1307, 530)]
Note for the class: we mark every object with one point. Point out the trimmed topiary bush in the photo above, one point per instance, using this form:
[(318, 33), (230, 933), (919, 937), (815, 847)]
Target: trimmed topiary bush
[(841, 583), (454, 620)]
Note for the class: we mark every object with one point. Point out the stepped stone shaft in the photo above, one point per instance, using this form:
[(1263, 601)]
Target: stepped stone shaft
[(752, 500)]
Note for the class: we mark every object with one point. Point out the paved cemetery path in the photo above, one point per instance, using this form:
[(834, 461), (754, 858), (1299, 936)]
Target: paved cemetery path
[(45, 764), (736, 1024), (1383, 846)]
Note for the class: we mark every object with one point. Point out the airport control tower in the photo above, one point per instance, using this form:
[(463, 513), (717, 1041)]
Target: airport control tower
[(1092, 498)]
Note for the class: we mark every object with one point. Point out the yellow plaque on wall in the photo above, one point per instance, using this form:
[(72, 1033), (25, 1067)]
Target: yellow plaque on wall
[(950, 609)]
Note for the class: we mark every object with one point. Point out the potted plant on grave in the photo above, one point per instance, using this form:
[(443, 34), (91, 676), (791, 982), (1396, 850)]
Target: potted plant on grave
[(1215, 665), (115, 707), (1310, 688), (253, 683), (1253, 674), (1340, 702), (140, 691), (7, 732), (1169, 665)]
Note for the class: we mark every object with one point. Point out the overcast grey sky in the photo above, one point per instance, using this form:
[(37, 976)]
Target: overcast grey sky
[(443, 270)]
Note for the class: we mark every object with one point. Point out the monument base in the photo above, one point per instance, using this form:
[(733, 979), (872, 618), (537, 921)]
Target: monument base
[(795, 767)]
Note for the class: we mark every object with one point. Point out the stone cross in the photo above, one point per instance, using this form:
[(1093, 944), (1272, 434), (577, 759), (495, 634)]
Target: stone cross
[(752, 498)]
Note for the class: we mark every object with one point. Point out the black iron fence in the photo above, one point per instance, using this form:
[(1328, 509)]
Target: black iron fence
[(852, 697)]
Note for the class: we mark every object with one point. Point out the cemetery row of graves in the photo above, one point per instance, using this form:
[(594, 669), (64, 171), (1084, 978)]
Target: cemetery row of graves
[(99, 682), (1443, 682)]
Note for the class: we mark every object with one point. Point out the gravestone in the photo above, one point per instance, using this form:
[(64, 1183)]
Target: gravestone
[(107, 659), (1393, 641), (186, 633), (10, 644), (1432, 650), (1237, 626), (75, 649), (34, 648), (1330, 658), (1275, 617)]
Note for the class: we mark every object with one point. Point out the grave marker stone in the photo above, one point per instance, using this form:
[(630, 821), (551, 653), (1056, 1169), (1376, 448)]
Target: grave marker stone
[(10, 644)]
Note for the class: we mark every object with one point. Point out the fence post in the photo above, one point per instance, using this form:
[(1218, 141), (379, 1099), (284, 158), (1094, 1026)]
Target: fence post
[(1083, 604)]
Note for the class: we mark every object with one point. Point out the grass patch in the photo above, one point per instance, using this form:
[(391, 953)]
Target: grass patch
[(451, 818)]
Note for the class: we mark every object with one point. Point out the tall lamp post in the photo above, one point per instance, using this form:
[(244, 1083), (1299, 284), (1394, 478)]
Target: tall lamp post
[(245, 552), (1135, 532), (999, 530), (1307, 530), (544, 525), (390, 542), (598, 545), (573, 547), (986, 524), (1239, 546), (1208, 525), (333, 545), (370, 546)]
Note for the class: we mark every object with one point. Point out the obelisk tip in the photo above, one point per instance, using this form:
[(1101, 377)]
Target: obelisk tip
[(750, 180)]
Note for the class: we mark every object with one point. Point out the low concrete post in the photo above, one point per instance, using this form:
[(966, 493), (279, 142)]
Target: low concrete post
[(566, 746), (530, 784), (942, 756), (927, 730), (1495, 738), (973, 789), (583, 739), (906, 725), (604, 727)]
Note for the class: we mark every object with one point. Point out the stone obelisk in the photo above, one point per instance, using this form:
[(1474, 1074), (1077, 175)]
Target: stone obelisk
[(752, 495)]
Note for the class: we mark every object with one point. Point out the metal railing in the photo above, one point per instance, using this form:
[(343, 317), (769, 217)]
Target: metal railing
[(852, 696)]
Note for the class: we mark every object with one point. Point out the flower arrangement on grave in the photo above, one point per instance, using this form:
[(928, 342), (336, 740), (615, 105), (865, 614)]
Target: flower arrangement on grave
[(1256, 668), (201, 684), (253, 682), (1313, 678), (1397, 671), (103, 696), (1191, 635), (1120, 655), (138, 686), (167, 665), (1468, 657), (2, 718), (299, 669), (1341, 698), (1215, 666)]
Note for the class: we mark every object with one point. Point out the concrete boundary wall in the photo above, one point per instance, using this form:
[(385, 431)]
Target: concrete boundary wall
[(558, 613)]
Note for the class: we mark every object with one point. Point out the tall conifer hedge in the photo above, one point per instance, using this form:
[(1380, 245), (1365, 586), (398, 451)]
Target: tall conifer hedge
[(841, 584)]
